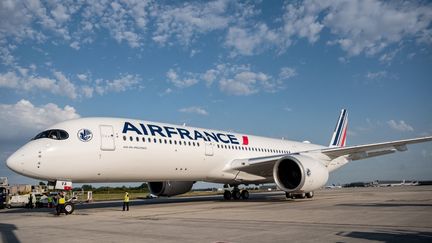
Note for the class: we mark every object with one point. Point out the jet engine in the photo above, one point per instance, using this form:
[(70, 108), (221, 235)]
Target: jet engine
[(299, 173), (170, 188)]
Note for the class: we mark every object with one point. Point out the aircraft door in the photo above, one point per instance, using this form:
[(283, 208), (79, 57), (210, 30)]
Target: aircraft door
[(208, 149), (107, 137)]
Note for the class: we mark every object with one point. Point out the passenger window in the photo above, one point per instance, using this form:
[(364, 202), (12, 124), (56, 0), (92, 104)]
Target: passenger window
[(143, 139), (131, 138), (124, 138), (154, 140), (137, 139)]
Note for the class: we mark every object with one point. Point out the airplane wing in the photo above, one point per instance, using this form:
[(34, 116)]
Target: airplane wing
[(263, 166), (372, 150)]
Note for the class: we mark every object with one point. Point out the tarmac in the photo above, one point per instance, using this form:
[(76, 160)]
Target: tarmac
[(390, 214)]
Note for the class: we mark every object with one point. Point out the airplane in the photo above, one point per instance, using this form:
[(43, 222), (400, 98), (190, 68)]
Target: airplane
[(171, 158)]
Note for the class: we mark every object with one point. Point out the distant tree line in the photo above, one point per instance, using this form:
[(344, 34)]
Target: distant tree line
[(106, 189)]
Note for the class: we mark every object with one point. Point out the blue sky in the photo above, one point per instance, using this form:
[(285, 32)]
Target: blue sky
[(270, 68)]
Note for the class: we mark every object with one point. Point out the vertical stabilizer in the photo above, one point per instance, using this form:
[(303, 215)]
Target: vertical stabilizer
[(340, 132)]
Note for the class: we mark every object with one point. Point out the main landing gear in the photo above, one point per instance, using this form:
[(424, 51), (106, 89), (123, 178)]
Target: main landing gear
[(235, 193), (290, 195)]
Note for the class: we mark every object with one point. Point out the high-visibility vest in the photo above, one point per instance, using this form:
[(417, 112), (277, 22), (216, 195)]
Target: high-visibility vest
[(126, 198), (62, 200)]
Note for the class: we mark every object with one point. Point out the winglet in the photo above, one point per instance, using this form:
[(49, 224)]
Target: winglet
[(340, 132)]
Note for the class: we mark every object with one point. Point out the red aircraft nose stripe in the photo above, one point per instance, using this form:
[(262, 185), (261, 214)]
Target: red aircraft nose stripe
[(245, 140)]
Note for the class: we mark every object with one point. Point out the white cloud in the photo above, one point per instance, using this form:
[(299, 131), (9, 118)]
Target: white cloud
[(242, 84), (376, 75), (174, 78), (23, 81), (242, 80), (188, 20), (357, 26), (371, 26), (287, 73), (209, 76), (400, 126), (82, 76), (302, 21), (125, 82), (233, 79), (24, 120), (194, 110), (26, 80), (250, 41), (75, 45)]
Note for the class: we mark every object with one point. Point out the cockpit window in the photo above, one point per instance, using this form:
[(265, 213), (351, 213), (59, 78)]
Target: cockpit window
[(56, 134)]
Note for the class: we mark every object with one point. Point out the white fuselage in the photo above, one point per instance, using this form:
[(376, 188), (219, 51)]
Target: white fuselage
[(126, 150)]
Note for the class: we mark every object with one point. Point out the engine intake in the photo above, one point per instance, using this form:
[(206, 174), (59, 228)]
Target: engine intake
[(170, 188), (299, 173)]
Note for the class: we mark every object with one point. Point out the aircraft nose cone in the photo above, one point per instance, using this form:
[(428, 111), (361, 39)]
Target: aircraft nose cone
[(14, 162)]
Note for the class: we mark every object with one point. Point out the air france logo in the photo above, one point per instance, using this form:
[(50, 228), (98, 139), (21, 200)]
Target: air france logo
[(308, 172), (183, 133), (85, 135)]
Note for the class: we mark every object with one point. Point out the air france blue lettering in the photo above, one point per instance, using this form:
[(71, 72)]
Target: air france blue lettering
[(219, 135), (170, 130), (212, 136), (155, 129), (129, 127), (183, 133), (199, 135), (143, 129), (166, 131), (233, 139)]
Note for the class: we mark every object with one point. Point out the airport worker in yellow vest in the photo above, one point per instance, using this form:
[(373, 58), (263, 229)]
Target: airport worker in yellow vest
[(126, 201), (61, 204)]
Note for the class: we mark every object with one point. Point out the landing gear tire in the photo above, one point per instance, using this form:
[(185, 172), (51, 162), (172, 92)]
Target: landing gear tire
[(236, 194), (301, 195), (227, 195), (69, 208), (289, 195), (310, 194), (244, 195)]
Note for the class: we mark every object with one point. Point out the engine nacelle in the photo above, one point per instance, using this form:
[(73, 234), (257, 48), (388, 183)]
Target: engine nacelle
[(170, 188), (299, 173)]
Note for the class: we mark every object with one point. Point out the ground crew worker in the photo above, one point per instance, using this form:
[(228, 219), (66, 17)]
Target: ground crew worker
[(61, 204), (126, 201), (30, 203), (50, 201)]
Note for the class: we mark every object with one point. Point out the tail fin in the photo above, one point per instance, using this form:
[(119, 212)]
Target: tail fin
[(340, 132)]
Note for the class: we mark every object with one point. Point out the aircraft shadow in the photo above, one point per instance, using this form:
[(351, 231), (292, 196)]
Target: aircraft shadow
[(7, 233), (390, 236), (254, 197), (387, 205)]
